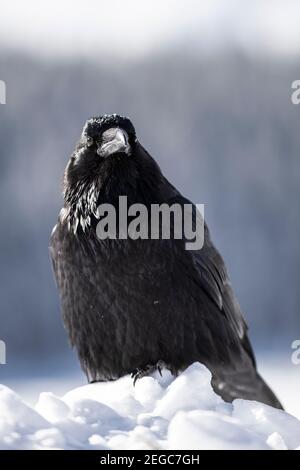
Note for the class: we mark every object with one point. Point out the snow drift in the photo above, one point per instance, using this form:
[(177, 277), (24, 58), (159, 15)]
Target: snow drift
[(158, 413)]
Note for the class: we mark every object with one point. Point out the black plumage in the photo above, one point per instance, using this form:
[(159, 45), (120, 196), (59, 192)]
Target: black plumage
[(131, 306)]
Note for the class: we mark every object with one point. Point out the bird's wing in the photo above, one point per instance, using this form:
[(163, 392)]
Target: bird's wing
[(212, 276), (216, 282)]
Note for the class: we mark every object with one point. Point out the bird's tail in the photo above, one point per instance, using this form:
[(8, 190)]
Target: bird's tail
[(249, 386), (267, 395)]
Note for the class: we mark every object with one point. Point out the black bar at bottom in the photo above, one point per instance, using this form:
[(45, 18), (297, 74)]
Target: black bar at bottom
[(132, 459)]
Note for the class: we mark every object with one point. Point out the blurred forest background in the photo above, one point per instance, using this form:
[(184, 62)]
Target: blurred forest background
[(222, 127)]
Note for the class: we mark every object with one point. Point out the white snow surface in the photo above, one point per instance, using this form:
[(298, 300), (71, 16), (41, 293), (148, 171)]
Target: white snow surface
[(159, 412)]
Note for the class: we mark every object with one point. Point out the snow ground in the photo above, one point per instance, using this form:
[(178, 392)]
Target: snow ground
[(158, 413)]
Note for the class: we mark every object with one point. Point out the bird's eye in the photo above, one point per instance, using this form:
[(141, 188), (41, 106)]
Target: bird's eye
[(89, 141)]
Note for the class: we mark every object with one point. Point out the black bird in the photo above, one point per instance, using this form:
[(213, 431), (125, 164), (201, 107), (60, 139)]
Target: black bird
[(133, 306)]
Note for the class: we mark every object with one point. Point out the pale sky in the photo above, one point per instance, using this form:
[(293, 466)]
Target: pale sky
[(135, 27)]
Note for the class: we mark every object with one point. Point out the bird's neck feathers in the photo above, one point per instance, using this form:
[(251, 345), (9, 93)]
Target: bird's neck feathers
[(139, 179), (83, 196), (80, 208)]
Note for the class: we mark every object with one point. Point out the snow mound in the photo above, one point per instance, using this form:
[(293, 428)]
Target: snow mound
[(160, 412)]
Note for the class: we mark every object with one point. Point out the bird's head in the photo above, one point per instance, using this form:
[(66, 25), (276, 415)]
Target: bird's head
[(106, 142), (108, 136), (108, 162)]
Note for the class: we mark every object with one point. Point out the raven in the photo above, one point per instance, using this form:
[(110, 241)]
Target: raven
[(131, 306)]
